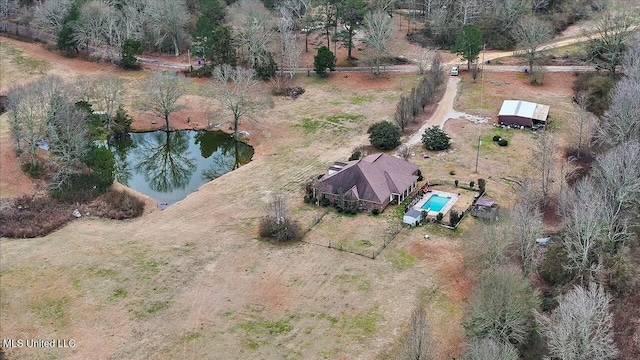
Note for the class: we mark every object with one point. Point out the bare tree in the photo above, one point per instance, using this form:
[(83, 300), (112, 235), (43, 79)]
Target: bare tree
[(277, 207), (162, 91), (23, 15), (583, 124), (30, 105), (277, 224), (488, 247), (107, 93), (378, 30), (539, 5), (424, 60), (404, 112), (608, 38), (68, 134), (530, 33), (631, 61), (404, 151), (617, 173), (502, 306), (90, 26), (237, 91), (581, 327), (543, 159), (113, 28), (49, 15), (621, 120), (302, 12), (417, 344), (526, 226), (584, 226), (468, 10), (131, 21), (299, 8), (81, 89), (290, 50), (254, 26), (167, 19), (490, 349), (384, 5), (6, 8)]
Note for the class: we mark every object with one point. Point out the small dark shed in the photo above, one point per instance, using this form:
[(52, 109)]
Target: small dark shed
[(485, 208), (523, 113)]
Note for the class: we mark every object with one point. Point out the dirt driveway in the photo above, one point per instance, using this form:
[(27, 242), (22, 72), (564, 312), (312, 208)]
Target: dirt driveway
[(194, 281)]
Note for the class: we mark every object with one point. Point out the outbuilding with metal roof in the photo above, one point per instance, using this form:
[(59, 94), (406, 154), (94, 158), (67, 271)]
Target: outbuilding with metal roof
[(523, 113)]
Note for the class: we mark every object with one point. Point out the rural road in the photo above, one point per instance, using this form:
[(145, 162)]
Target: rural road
[(489, 55), (444, 109)]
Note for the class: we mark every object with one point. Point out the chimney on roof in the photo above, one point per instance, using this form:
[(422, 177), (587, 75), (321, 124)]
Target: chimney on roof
[(337, 166)]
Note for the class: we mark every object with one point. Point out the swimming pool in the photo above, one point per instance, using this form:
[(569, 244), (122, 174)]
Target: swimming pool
[(435, 203)]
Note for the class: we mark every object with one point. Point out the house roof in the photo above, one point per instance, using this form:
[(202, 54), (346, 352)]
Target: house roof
[(372, 178), (524, 109), (413, 213)]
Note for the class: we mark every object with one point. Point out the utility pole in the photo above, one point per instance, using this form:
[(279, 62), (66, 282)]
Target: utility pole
[(482, 77), (478, 152)]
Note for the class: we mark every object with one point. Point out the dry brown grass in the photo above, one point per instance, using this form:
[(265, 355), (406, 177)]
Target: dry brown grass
[(194, 281)]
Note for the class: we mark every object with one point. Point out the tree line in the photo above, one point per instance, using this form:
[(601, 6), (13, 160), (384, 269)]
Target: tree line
[(251, 33), (67, 118), (589, 263)]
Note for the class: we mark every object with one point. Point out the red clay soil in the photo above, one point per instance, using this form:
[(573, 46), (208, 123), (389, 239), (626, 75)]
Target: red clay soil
[(446, 256), (626, 319), (13, 181), (626, 323), (550, 216)]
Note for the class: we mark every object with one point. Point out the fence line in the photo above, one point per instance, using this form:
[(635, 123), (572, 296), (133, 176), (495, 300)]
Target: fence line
[(371, 255), (316, 220)]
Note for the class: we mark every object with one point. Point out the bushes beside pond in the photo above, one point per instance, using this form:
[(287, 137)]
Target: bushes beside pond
[(116, 205), (34, 216)]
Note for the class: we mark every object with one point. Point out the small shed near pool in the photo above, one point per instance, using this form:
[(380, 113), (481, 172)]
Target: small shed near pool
[(412, 217), (485, 208)]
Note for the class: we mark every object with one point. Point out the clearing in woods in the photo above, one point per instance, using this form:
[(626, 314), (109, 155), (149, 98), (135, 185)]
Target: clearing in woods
[(194, 281)]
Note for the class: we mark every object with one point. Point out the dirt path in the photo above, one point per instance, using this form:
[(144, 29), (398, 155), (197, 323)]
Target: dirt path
[(444, 112), (193, 280)]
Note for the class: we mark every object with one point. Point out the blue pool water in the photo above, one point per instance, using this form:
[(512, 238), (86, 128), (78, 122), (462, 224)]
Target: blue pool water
[(435, 203)]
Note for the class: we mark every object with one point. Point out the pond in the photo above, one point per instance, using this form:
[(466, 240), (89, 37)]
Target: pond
[(169, 165)]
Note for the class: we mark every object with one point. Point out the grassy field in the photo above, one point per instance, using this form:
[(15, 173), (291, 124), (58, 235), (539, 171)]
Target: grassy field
[(194, 281)]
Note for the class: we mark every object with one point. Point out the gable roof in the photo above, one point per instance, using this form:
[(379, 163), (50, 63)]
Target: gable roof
[(373, 178), (483, 201), (524, 109)]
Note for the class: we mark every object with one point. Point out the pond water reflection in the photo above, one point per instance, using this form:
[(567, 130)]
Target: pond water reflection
[(169, 165)]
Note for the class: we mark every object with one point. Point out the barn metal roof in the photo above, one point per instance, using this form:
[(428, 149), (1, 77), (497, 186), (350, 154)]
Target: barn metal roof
[(524, 109)]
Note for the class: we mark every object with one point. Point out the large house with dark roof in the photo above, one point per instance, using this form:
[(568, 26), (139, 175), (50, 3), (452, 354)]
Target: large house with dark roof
[(372, 182)]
